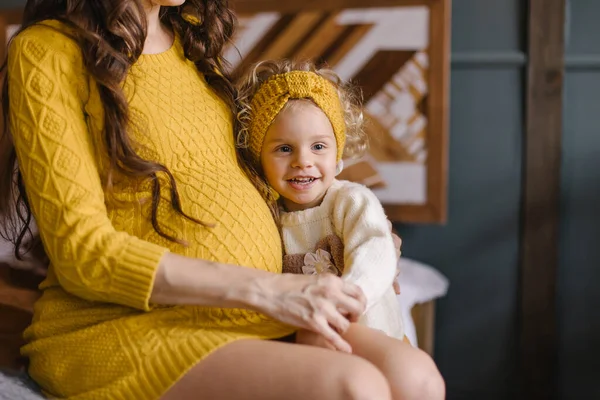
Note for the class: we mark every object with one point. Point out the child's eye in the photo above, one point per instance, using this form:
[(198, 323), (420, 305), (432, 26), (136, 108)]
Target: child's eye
[(319, 146), (284, 149)]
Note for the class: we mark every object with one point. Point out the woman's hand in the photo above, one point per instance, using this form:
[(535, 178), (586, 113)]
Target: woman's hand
[(324, 304)]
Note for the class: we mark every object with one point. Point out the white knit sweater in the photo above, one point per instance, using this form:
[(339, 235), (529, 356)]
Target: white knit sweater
[(353, 213)]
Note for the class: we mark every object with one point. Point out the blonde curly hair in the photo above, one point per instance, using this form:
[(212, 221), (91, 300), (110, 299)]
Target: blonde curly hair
[(350, 99)]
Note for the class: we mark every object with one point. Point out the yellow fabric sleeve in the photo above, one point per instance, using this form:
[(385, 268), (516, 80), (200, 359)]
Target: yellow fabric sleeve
[(91, 259)]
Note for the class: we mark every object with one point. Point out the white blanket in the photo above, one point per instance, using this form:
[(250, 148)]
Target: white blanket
[(419, 283)]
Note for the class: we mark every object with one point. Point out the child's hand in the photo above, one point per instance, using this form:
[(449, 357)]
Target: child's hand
[(396, 285), (311, 338), (398, 246), (397, 240)]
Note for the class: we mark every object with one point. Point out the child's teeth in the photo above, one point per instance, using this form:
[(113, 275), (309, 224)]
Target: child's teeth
[(303, 180)]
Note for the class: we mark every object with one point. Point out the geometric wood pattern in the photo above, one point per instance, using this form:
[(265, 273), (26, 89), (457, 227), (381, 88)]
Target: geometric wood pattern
[(397, 53)]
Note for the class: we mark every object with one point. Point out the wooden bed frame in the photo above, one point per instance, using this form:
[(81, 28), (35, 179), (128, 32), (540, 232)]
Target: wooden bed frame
[(18, 293), (424, 318)]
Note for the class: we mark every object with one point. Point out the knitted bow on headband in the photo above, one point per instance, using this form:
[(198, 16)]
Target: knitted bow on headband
[(274, 94)]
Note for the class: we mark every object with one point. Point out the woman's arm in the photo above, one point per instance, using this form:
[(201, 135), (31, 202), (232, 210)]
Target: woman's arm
[(370, 254), (184, 280), (47, 90), (323, 304)]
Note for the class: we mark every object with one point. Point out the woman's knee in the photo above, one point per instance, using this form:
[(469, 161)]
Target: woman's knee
[(426, 385), (434, 386), (361, 380), (422, 379)]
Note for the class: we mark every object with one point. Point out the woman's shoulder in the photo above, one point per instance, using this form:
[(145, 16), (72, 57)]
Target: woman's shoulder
[(44, 37)]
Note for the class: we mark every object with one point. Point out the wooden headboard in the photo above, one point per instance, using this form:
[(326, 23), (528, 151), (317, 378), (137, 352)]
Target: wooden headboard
[(18, 293)]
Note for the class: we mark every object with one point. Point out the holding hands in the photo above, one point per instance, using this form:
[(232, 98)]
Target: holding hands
[(323, 304)]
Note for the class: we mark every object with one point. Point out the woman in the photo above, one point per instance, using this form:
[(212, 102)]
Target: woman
[(163, 254)]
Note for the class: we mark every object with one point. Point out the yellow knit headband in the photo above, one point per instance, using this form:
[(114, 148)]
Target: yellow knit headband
[(274, 94)]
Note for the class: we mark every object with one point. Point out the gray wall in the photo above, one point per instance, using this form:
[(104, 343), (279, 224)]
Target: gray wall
[(579, 275), (478, 248)]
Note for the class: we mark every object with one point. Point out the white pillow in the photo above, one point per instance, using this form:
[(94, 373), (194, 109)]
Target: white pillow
[(419, 283)]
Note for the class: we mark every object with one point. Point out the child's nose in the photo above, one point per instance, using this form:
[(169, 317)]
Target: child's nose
[(303, 159)]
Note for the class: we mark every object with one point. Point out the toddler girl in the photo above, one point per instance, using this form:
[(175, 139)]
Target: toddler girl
[(296, 122)]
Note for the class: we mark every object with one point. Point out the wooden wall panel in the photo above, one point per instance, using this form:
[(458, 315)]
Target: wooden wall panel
[(413, 140), (541, 196)]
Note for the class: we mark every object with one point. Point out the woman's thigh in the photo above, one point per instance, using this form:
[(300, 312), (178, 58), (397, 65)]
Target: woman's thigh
[(262, 369)]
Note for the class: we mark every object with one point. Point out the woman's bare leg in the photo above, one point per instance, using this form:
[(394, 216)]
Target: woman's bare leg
[(410, 372), (270, 370)]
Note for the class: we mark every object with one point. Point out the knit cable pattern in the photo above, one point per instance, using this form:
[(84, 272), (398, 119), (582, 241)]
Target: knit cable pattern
[(95, 335)]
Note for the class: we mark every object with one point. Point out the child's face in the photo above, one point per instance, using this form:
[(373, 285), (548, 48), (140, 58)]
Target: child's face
[(299, 155)]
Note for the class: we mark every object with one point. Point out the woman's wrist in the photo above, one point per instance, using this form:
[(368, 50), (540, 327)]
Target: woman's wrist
[(253, 290), (184, 280)]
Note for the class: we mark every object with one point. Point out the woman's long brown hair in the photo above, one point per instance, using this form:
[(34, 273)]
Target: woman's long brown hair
[(111, 34)]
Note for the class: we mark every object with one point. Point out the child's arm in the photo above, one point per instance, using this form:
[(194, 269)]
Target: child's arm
[(369, 251)]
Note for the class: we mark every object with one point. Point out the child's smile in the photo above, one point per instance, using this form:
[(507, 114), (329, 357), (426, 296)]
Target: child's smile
[(302, 183)]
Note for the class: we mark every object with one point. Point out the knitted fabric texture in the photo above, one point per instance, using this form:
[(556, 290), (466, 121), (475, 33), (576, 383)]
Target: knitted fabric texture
[(353, 213), (293, 263), (274, 94), (95, 334)]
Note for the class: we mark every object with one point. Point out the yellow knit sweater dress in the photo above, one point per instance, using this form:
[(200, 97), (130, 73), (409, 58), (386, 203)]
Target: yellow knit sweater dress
[(95, 335)]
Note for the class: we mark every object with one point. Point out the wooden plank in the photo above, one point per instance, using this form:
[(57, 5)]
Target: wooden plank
[(424, 317), (320, 40), (284, 43), (340, 48), (14, 295), (412, 214), (363, 172), (541, 195), (288, 6), (380, 69), (12, 324), (256, 53), (7, 17), (3, 38), (438, 109), (382, 146)]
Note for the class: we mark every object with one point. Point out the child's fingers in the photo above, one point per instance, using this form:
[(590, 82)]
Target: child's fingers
[(396, 287)]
